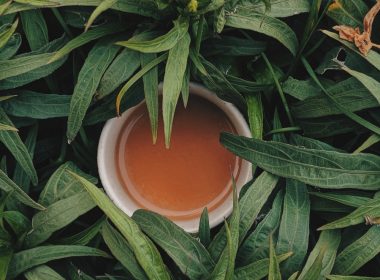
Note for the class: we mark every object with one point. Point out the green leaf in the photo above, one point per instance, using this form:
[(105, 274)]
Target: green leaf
[(7, 127), (37, 105), (99, 58), (255, 115), (144, 250), (12, 70), (148, 67), (370, 83), (122, 251), (264, 24), (232, 46), (315, 270), (204, 228), (19, 223), (36, 3), (258, 269), (27, 67), (212, 6), (293, 234), (349, 200), (246, 87), (349, 93), (6, 255), (255, 246), (120, 70), (84, 237), (219, 19), (185, 89), (335, 170), (341, 277), (225, 267), (357, 254), (6, 34), (56, 216), (274, 267), (323, 205), (328, 243), (4, 5), (189, 255), (328, 126), (27, 259), (280, 9), (106, 110), (11, 47), (42, 272), (234, 229), (300, 89), (62, 184), (221, 267), (294, 276), (249, 207), (8, 185), (77, 274), (371, 208), (86, 37), (103, 6), (372, 140), (35, 28), (311, 143), (161, 43), (174, 73), (142, 7), (215, 80), (20, 177), (348, 12), (372, 57), (150, 80), (21, 65)]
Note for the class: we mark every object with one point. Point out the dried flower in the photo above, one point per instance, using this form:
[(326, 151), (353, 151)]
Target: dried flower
[(362, 40)]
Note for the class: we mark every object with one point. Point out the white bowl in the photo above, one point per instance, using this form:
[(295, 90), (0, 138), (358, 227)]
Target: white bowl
[(113, 187)]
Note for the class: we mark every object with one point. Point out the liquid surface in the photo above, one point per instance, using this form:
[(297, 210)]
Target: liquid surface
[(194, 173)]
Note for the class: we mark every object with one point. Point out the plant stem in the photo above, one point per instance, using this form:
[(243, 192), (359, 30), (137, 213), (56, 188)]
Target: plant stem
[(356, 118), (279, 89), (199, 34), (62, 22), (84, 137), (305, 40), (284, 129)]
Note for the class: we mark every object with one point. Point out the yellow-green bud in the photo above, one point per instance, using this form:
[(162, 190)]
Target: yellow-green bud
[(192, 6)]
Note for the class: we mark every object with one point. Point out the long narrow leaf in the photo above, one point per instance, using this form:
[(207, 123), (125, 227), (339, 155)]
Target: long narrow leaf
[(335, 169), (26, 259), (144, 250), (174, 73), (162, 43)]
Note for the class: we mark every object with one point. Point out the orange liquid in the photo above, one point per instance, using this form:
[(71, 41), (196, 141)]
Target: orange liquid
[(194, 173)]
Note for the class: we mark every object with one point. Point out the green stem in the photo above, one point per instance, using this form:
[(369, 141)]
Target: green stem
[(285, 129), (62, 22), (315, 46), (279, 89), (199, 34), (62, 153), (305, 41), (356, 118), (84, 137)]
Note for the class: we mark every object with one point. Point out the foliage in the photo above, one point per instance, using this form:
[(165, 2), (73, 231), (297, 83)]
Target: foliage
[(311, 99)]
